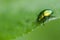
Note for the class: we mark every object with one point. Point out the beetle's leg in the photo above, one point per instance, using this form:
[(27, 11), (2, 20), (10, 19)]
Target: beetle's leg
[(52, 16), (43, 21)]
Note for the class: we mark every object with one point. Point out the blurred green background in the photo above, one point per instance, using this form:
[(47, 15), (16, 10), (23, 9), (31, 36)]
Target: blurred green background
[(17, 16)]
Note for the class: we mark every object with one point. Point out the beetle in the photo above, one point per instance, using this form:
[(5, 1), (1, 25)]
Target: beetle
[(44, 15)]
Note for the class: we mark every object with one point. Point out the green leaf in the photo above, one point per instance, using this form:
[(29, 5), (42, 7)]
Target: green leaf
[(18, 17)]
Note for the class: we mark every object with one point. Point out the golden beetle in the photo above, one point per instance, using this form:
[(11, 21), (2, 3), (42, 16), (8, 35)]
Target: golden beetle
[(44, 15)]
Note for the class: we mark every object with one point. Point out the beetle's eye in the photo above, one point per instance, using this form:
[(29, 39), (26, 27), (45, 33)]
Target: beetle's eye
[(47, 12)]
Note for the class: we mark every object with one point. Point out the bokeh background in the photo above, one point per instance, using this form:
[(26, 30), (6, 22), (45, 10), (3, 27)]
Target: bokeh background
[(17, 16)]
